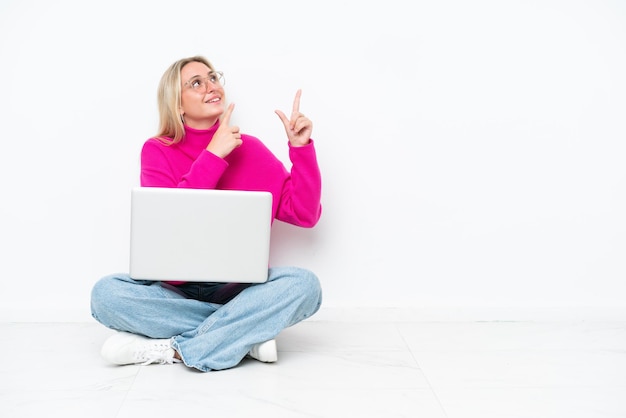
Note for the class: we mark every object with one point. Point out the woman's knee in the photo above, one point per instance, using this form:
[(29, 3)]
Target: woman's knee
[(303, 283), (105, 293), (106, 286), (311, 283), (307, 285)]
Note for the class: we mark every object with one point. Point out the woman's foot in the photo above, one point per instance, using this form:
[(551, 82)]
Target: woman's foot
[(265, 352), (126, 348)]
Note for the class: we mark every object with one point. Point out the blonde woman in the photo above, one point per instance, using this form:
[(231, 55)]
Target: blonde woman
[(213, 326)]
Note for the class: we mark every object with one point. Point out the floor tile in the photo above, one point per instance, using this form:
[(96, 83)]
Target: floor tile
[(524, 368), (53, 357), (62, 403), (320, 402), (534, 402), (333, 369), (314, 336), (514, 335)]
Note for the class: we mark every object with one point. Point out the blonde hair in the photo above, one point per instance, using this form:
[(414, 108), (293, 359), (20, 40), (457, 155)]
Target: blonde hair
[(171, 126)]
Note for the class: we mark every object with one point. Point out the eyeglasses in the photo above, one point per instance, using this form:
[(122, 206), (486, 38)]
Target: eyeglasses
[(201, 84)]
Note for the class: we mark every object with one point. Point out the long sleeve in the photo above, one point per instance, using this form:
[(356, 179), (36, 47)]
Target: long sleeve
[(159, 169), (301, 193)]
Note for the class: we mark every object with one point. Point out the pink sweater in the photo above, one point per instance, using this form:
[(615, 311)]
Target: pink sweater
[(252, 166)]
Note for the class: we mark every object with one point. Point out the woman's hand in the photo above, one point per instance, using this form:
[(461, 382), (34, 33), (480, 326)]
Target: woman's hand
[(226, 138), (298, 127)]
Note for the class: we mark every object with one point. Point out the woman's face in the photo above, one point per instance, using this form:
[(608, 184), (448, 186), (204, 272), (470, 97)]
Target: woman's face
[(202, 97)]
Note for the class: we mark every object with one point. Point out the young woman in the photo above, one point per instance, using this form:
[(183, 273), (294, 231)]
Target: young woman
[(213, 326)]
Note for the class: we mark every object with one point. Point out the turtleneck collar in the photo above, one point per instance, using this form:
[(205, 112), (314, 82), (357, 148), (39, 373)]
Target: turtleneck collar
[(198, 137)]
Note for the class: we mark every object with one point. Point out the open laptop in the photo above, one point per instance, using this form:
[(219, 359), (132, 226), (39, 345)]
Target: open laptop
[(200, 235)]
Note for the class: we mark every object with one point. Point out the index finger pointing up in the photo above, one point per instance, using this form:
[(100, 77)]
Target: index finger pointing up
[(226, 115), (296, 102)]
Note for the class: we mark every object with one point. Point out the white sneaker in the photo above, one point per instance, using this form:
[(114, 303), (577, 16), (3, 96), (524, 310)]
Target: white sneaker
[(126, 348), (265, 352)]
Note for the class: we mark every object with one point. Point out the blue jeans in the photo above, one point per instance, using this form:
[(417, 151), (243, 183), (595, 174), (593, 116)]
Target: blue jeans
[(207, 335)]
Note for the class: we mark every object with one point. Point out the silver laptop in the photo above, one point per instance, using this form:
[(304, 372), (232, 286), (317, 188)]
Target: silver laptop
[(199, 235)]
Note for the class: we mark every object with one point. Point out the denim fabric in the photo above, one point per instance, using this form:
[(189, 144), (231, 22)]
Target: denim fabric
[(208, 335)]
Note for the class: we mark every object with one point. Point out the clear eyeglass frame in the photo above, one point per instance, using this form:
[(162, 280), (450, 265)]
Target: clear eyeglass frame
[(201, 84)]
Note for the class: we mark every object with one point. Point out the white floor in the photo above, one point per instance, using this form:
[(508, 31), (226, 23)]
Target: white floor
[(333, 369)]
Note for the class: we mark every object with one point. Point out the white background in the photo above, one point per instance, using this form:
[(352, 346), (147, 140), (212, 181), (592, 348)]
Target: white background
[(472, 151)]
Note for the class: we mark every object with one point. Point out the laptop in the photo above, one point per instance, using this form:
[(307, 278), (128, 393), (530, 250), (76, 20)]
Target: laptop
[(200, 235)]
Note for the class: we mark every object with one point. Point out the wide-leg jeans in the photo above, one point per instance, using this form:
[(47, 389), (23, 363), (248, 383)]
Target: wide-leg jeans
[(206, 335)]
